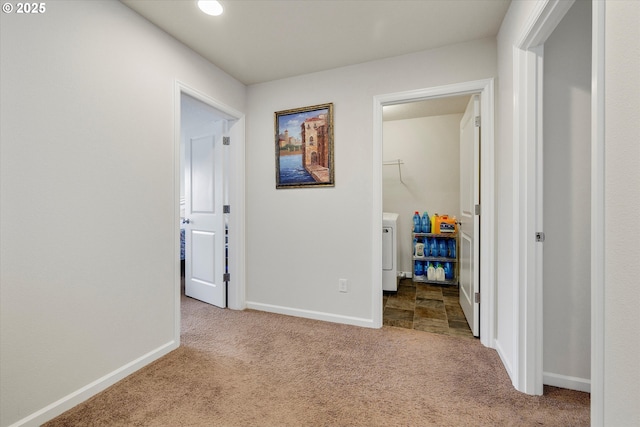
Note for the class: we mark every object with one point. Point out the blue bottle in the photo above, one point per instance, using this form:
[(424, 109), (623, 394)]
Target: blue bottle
[(426, 248), (443, 250), (452, 248), (416, 223), (448, 271), (425, 223), (433, 247), (418, 269)]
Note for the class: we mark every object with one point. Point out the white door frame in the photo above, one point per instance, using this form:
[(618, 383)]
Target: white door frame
[(527, 193), (528, 56), (236, 294), (487, 165), (597, 213)]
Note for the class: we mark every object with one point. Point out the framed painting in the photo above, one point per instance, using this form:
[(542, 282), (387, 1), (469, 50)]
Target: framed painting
[(304, 147)]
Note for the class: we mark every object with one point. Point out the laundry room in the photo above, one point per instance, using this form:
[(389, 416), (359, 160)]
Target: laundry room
[(422, 174)]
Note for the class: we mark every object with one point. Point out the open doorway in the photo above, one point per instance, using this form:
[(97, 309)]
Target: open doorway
[(216, 143), (425, 167), (203, 194), (552, 350), (487, 246), (566, 201)]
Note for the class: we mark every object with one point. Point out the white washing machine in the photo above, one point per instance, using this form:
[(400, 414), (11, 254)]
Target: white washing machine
[(389, 251)]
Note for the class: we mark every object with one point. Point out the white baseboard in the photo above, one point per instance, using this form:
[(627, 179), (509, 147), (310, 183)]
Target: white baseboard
[(565, 381), (56, 408), (555, 380), (309, 314), (505, 361)]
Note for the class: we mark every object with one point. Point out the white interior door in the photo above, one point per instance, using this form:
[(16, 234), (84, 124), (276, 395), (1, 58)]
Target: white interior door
[(469, 242), (204, 218)]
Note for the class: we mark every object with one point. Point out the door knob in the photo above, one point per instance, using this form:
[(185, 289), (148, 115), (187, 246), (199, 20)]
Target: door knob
[(186, 220)]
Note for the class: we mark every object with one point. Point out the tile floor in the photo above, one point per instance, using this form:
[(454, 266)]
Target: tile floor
[(425, 307)]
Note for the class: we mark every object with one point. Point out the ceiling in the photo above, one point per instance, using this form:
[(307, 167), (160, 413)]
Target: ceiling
[(427, 108), (257, 41)]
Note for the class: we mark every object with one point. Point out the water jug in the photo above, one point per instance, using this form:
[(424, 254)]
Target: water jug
[(431, 271), (439, 273), (416, 222)]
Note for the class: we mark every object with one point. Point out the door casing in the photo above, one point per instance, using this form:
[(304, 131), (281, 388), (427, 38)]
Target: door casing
[(487, 166), (236, 293), (527, 84)]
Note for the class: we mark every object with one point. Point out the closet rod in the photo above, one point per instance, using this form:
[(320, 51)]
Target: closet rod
[(397, 162)]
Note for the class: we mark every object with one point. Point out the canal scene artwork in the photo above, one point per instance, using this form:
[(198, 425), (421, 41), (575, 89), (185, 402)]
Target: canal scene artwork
[(304, 147)]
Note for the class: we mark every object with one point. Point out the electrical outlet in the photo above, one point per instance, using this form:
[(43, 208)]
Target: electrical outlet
[(342, 285)]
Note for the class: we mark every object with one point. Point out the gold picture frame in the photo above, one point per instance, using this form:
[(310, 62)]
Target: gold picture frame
[(304, 147)]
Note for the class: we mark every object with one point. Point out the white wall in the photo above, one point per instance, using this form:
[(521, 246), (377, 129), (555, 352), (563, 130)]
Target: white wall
[(429, 147), (300, 241), (567, 201), (622, 203), (88, 219)]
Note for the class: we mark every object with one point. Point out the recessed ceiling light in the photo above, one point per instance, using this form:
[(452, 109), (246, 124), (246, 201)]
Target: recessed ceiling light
[(210, 7)]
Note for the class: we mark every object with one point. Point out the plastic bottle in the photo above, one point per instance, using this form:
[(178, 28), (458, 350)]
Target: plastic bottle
[(433, 223), (431, 271), (443, 250), (433, 247), (415, 240), (448, 271), (427, 246), (416, 222), (452, 248), (425, 222), (439, 272), (418, 269)]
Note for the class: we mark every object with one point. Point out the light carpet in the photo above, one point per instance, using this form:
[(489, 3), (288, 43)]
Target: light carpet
[(250, 368)]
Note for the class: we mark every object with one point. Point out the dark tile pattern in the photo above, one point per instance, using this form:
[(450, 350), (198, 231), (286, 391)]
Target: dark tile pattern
[(425, 307)]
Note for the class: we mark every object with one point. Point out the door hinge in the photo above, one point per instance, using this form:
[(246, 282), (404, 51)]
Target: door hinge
[(226, 209), (477, 122), (539, 236), (477, 209), (226, 277), (226, 140), (477, 298)]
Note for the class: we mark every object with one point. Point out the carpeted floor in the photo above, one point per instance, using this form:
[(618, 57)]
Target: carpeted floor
[(259, 369)]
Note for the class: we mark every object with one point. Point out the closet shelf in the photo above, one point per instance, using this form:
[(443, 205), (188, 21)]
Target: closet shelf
[(396, 162)]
